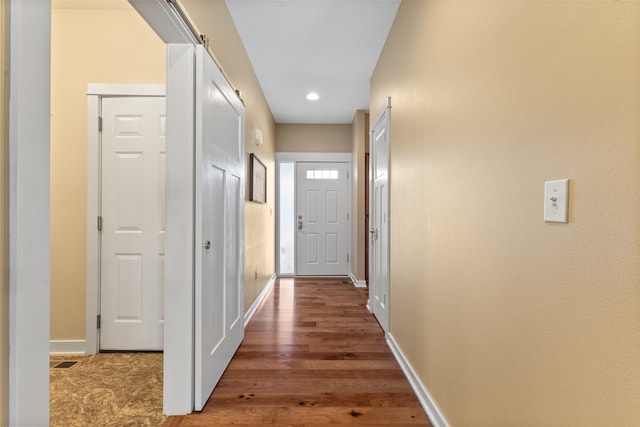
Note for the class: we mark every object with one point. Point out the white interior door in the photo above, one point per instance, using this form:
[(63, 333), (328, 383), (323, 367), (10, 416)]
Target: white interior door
[(379, 253), (132, 212), (322, 219), (220, 182)]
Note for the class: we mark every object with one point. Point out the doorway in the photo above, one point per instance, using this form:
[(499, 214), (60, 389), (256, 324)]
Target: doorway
[(131, 222), (313, 221), (125, 202), (379, 232), (322, 219)]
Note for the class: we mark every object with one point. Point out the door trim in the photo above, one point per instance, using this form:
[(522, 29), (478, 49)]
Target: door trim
[(95, 93), (295, 157), (25, 324)]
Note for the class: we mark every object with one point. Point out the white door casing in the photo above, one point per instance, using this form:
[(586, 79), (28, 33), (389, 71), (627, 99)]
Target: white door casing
[(28, 171), (322, 219), (219, 226), (133, 226), (95, 93), (379, 232)]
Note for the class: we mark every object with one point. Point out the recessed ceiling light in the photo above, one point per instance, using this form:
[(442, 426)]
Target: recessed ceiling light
[(312, 96)]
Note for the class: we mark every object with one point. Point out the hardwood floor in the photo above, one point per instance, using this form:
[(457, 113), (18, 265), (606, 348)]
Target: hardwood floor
[(312, 355)]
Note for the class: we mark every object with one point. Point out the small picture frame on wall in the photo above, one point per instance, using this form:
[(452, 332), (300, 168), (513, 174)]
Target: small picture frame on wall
[(258, 190)]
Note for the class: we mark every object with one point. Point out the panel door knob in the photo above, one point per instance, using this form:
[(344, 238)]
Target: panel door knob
[(207, 244)]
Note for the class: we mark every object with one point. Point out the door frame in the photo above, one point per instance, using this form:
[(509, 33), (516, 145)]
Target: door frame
[(383, 115), (95, 93), (343, 185), (29, 179), (25, 328), (295, 157), (367, 212)]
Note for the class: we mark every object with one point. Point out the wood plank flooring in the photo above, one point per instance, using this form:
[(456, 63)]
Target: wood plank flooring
[(312, 356)]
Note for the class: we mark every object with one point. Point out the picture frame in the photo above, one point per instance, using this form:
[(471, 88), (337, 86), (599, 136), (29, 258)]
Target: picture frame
[(258, 188)]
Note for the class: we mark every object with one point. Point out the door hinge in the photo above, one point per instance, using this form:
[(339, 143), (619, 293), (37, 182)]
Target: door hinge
[(98, 321), (99, 223), (347, 257), (99, 123), (347, 174), (347, 216)]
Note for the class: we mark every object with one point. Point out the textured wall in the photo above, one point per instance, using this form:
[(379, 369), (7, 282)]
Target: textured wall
[(132, 54), (213, 19), (508, 320)]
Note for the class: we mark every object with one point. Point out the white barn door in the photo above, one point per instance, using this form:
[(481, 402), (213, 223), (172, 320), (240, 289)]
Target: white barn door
[(132, 222), (219, 228)]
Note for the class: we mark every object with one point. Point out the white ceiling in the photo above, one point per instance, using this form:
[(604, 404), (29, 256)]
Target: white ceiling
[(327, 46)]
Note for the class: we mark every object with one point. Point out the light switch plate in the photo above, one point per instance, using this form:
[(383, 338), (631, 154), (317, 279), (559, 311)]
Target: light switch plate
[(556, 201)]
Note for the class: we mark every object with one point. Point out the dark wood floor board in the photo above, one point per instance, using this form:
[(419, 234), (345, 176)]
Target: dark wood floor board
[(312, 356), (289, 399), (286, 354), (303, 385), (289, 329), (173, 421), (293, 374), (231, 415), (317, 343), (277, 347), (407, 399), (307, 416), (346, 347), (279, 363), (305, 337), (358, 415), (339, 399)]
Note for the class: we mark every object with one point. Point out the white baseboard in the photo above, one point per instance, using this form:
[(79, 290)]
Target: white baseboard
[(67, 346), (425, 399), (357, 283), (252, 310)]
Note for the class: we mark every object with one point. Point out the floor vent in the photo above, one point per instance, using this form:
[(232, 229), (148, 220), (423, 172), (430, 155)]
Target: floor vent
[(64, 365)]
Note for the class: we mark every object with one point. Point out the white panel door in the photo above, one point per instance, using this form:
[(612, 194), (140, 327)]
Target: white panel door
[(220, 182), (132, 210), (379, 253), (322, 219)]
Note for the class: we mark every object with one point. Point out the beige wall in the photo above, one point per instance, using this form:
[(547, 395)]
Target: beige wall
[(111, 45), (313, 138), (213, 19), (4, 216), (359, 235), (508, 320)]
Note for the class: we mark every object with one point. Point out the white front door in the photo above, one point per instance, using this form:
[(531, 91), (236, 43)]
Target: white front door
[(379, 232), (132, 212), (220, 182), (322, 219)]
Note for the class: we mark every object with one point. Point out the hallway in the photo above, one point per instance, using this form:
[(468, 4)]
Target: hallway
[(312, 355)]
